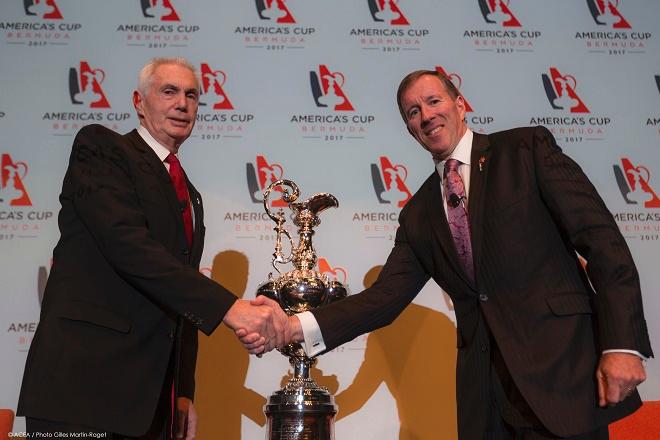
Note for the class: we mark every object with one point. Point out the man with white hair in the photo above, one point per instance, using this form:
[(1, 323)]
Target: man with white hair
[(114, 353)]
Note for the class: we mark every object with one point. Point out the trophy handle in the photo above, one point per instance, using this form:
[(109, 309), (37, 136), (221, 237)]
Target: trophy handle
[(286, 197), (278, 218), (278, 256)]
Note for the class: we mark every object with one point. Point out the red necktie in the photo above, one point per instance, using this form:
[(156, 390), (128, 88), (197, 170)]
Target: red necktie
[(179, 181), (457, 215)]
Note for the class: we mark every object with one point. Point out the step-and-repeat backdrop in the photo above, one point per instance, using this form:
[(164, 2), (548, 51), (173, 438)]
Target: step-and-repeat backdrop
[(305, 90)]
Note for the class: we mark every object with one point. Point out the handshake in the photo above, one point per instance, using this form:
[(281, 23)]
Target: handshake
[(261, 325)]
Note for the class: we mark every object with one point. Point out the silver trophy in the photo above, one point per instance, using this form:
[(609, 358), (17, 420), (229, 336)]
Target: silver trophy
[(302, 410)]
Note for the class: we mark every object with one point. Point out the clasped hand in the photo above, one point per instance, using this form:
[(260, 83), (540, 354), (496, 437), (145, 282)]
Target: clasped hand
[(261, 325)]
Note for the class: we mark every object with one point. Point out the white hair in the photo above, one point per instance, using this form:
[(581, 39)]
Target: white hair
[(146, 73)]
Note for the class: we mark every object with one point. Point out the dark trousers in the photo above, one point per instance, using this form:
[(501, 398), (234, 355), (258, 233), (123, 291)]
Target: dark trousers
[(499, 429), (160, 428)]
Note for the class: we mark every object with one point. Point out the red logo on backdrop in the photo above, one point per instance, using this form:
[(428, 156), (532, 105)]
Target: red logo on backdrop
[(334, 273), (212, 82), (274, 10), (560, 90), (160, 9), (456, 79), (85, 86), (327, 89), (259, 176), (390, 182), (46, 9), (633, 182), (606, 13), (12, 188), (387, 11), (498, 12)]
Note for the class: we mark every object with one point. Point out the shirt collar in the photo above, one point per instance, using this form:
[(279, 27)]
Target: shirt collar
[(158, 148), (462, 152)]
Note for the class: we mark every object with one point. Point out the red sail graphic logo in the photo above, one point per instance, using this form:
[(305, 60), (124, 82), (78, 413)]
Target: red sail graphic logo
[(160, 9), (327, 88), (12, 188), (275, 10), (212, 83), (259, 176), (606, 13), (85, 86), (387, 11), (390, 182), (633, 182), (46, 9), (498, 12), (560, 90)]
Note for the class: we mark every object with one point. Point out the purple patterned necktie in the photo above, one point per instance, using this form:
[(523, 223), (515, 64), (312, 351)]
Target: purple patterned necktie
[(457, 215)]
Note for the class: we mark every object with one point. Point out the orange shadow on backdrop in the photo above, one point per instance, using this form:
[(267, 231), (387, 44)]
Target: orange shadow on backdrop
[(414, 357), (221, 397)]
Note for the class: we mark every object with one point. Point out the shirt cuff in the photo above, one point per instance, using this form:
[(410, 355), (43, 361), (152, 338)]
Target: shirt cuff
[(313, 343), (636, 353)]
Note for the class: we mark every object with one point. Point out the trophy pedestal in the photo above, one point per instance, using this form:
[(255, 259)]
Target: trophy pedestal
[(302, 410), (297, 428), (303, 414)]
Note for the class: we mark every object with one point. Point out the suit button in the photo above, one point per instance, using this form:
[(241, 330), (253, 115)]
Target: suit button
[(185, 252), (484, 348), (171, 335), (483, 297)]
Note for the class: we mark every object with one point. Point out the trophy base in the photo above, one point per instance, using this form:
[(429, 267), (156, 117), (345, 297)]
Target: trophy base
[(298, 426), (301, 411)]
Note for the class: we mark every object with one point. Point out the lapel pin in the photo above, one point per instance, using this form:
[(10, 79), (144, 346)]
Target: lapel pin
[(482, 161)]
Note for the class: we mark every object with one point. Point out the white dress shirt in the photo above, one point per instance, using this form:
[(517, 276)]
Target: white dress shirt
[(159, 149)]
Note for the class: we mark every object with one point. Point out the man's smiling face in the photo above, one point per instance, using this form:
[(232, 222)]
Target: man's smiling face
[(433, 116)]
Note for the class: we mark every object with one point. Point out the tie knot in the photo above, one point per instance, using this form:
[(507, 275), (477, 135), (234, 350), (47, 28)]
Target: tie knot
[(172, 159), (452, 165)]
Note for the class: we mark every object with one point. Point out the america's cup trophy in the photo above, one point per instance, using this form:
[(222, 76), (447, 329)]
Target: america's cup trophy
[(302, 410)]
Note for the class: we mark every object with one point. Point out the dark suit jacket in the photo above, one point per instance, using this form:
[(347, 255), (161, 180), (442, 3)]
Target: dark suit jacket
[(122, 276), (531, 207)]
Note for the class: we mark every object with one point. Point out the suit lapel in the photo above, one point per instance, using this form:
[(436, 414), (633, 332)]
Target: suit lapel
[(479, 160), (152, 165), (438, 219)]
